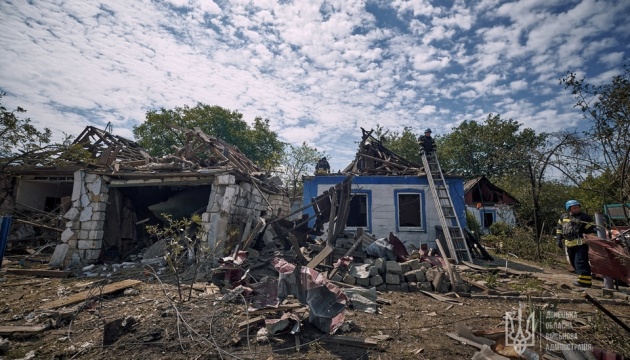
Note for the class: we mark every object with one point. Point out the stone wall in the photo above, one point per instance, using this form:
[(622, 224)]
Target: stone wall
[(86, 217)]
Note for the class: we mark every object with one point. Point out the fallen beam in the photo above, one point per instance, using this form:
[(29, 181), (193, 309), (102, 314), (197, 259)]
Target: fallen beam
[(84, 295), (40, 272), (352, 341), (22, 330)]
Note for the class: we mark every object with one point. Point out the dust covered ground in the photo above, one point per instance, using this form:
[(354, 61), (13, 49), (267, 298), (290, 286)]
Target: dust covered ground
[(148, 320)]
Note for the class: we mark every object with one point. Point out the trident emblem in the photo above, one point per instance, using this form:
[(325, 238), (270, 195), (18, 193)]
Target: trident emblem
[(519, 338)]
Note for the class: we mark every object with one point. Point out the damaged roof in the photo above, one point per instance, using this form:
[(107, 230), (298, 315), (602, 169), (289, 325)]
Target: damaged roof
[(374, 158), (201, 156)]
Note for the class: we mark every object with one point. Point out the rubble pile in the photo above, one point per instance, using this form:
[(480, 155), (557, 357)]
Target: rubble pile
[(409, 276)]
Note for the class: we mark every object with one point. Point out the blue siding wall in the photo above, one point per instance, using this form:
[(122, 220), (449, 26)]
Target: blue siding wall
[(382, 192)]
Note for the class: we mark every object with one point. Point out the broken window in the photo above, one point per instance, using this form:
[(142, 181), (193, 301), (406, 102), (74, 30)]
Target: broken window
[(409, 210), (358, 215)]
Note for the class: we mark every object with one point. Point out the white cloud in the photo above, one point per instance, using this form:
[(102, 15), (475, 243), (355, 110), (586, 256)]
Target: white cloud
[(318, 70)]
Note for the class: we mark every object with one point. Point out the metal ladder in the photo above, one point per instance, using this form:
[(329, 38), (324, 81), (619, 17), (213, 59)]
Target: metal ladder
[(451, 227)]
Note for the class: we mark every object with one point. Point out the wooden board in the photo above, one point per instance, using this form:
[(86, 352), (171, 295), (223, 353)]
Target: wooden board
[(83, 295), (353, 341), (323, 253), (10, 330), (39, 272)]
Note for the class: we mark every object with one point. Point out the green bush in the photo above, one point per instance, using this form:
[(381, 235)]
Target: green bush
[(522, 243), (500, 228)]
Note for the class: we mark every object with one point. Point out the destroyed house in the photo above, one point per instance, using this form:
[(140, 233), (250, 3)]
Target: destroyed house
[(489, 203), (388, 194), (101, 210)]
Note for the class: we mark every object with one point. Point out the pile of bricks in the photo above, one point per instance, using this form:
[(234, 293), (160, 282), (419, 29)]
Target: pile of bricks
[(412, 275)]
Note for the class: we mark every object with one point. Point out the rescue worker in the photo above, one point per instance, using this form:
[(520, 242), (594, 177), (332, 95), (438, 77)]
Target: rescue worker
[(426, 142), (322, 167), (570, 233)]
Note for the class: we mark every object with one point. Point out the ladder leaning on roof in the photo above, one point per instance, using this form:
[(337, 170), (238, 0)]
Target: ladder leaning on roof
[(451, 227)]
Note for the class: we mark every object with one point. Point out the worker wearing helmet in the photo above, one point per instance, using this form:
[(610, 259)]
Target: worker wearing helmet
[(570, 233), (426, 142)]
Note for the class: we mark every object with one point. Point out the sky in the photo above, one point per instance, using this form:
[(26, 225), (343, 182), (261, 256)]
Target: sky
[(318, 70)]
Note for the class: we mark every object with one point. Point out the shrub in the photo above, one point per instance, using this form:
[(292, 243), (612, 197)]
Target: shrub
[(500, 228)]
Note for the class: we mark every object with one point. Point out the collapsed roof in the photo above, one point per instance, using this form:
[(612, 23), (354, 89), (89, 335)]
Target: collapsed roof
[(374, 158)]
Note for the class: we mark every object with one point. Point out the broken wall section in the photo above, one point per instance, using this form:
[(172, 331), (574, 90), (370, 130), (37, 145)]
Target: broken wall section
[(86, 218), (234, 208)]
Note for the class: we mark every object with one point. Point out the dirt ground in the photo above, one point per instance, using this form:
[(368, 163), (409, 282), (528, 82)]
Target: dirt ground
[(148, 321)]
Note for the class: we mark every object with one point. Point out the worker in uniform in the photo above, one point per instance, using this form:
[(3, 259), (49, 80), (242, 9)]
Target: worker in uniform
[(570, 233), (426, 142), (322, 167)]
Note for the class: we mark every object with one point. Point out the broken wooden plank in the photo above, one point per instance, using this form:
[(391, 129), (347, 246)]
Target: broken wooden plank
[(442, 298), (40, 272), (22, 329), (276, 309), (84, 295), (58, 257), (352, 341), (464, 340), (449, 268), (350, 251), (251, 322), (323, 253), (294, 243)]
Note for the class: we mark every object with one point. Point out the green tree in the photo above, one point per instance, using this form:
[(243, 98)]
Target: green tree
[(19, 139), (492, 148), (297, 162), (162, 131), (607, 108), (404, 144)]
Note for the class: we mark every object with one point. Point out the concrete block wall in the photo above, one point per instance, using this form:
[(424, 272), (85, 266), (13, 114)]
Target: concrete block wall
[(86, 218), (232, 205)]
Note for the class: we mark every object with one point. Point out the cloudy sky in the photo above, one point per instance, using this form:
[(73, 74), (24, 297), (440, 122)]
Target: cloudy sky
[(318, 70)]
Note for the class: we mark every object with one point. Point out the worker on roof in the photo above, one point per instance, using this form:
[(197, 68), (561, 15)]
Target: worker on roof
[(322, 167), (570, 233), (426, 142)]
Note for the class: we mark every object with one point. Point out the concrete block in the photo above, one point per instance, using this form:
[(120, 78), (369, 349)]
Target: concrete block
[(379, 264), (67, 235), (72, 214), (392, 279), (425, 286), (393, 287), (92, 225), (414, 264), (365, 282), (98, 215), (376, 280), (404, 287), (410, 276), (86, 214), (405, 267), (381, 287), (90, 244), (226, 179), (95, 235), (99, 206), (91, 255), (392, 267), (420, 276), (413, 286), (349, 279), (57, 258)]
